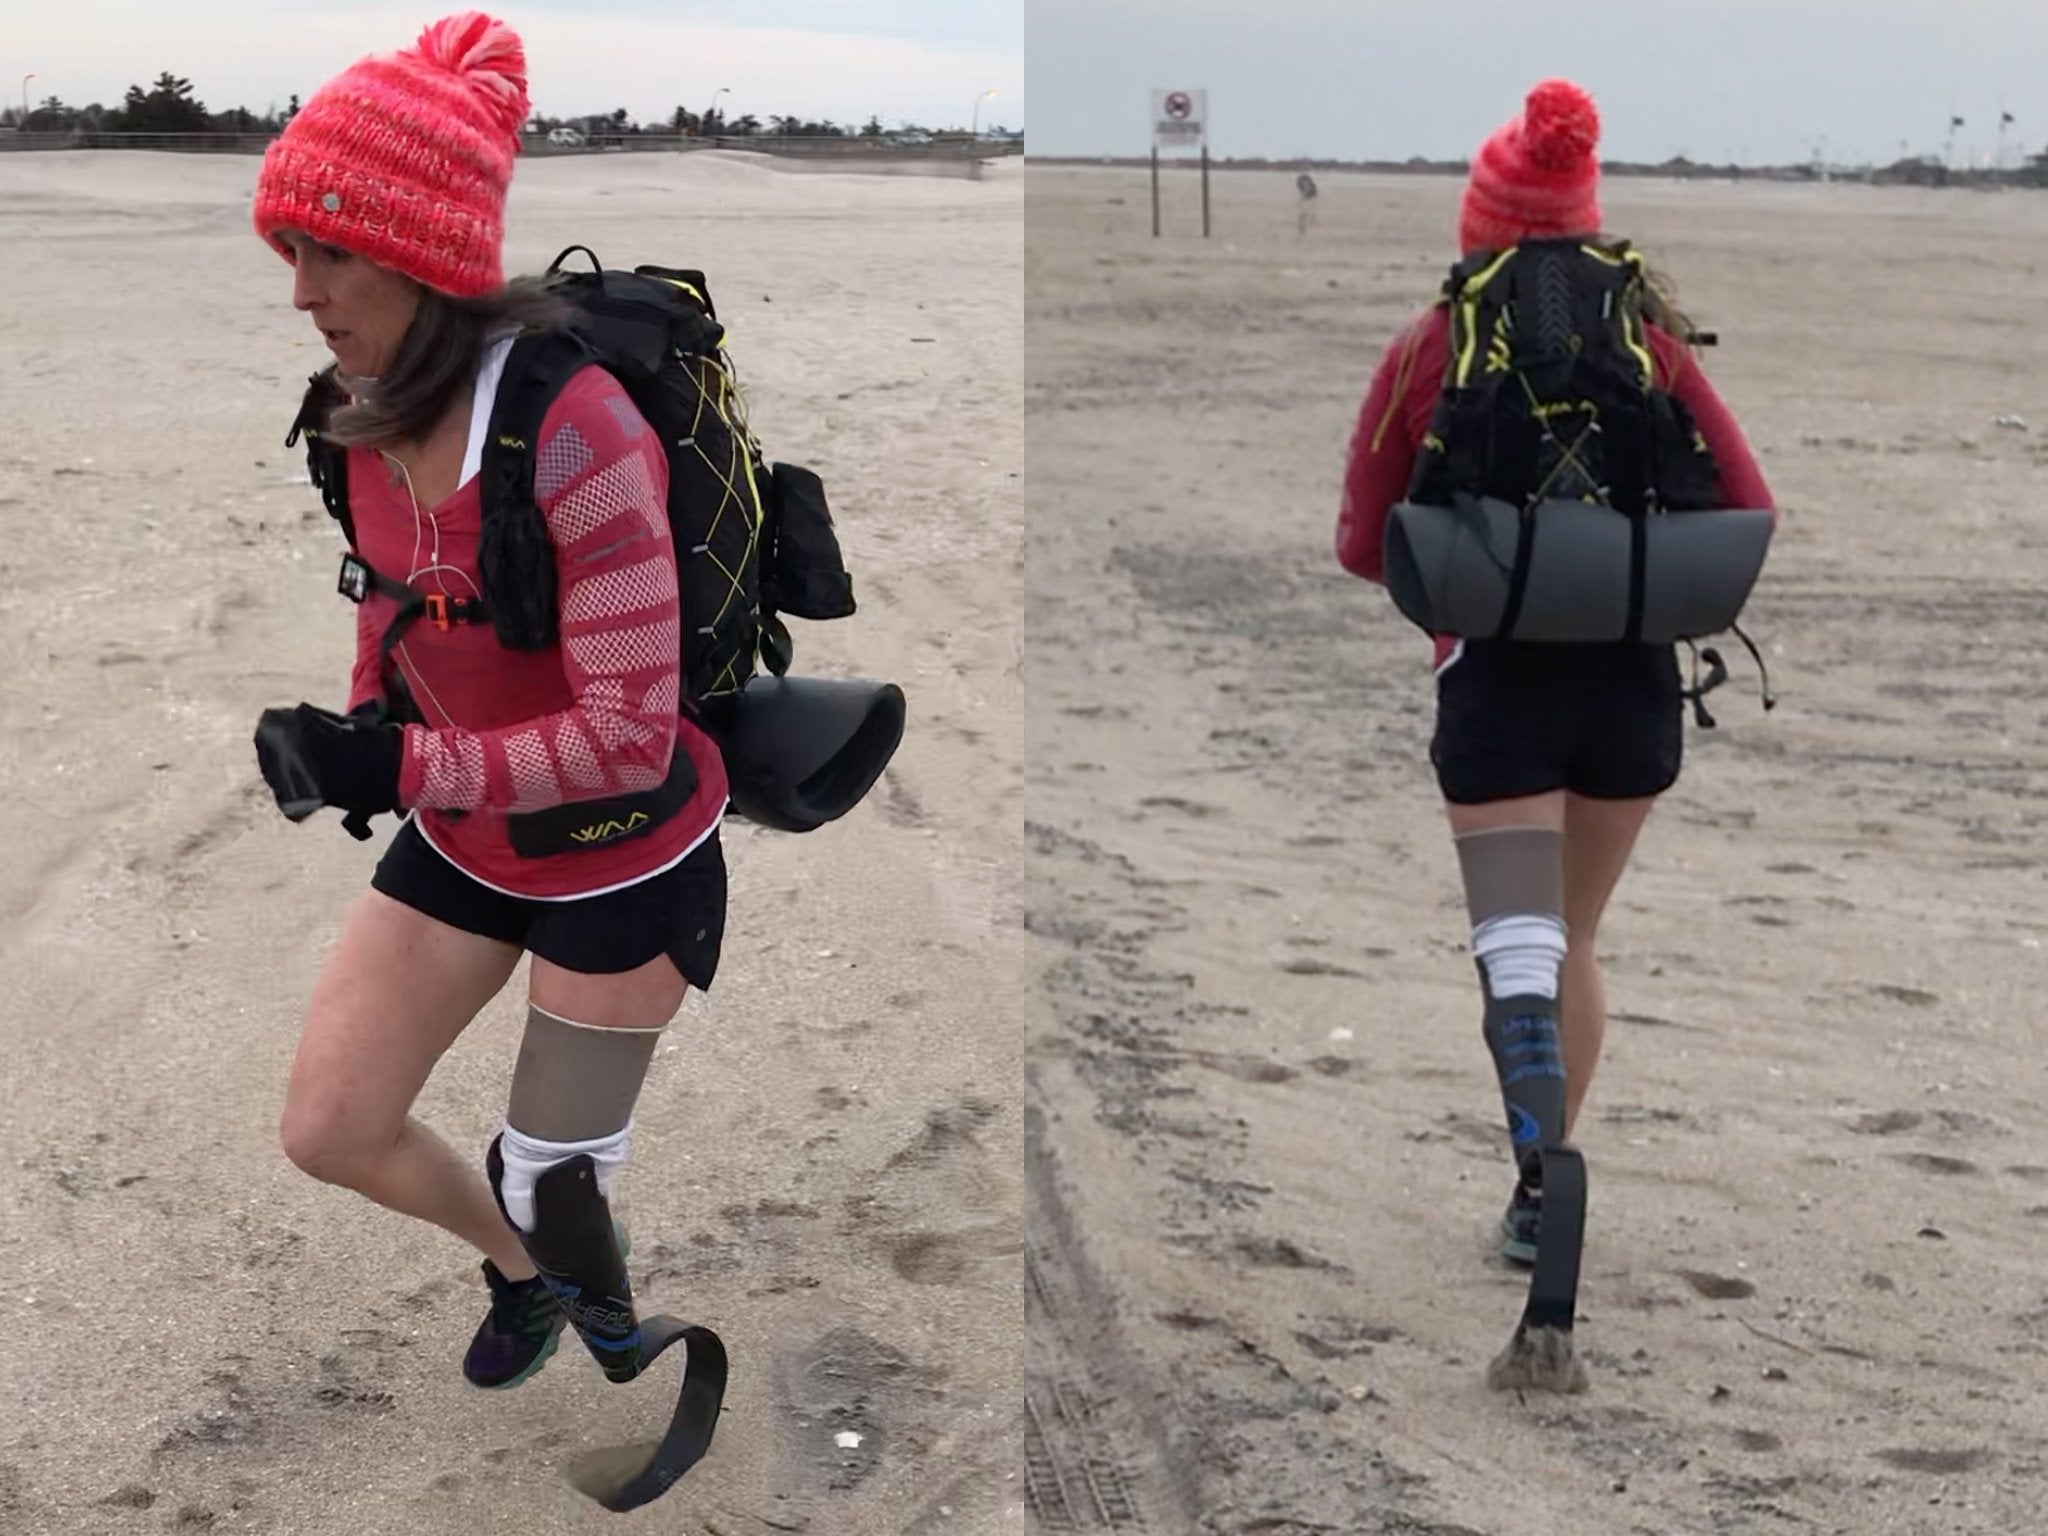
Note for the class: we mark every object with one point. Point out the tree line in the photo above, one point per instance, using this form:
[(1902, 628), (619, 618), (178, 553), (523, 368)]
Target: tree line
[(169, 106)]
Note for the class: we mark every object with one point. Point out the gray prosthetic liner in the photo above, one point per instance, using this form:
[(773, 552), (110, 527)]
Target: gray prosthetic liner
[(1512, 872), (577, 1084)]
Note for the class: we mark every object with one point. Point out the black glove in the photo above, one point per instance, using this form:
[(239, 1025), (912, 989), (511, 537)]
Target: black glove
[(313, 757)]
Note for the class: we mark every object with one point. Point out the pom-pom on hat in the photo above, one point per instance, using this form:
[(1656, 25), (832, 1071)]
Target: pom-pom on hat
[(405, 158), (1538, 176)]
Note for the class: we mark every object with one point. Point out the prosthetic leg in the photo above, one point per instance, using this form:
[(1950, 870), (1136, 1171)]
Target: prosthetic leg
[(1514, 888), (549, 1170)]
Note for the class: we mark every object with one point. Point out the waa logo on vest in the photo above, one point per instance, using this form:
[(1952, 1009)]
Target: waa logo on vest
[(604, 831)]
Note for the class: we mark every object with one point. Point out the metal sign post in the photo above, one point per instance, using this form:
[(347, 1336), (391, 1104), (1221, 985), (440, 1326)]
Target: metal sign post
[(1180, 122)]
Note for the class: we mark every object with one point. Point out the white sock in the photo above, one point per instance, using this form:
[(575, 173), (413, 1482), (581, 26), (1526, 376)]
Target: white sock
[(526, 1158), (1522, 954)]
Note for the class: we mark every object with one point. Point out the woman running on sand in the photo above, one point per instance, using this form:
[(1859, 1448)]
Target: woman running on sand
[(1549, 756), (387, 195)]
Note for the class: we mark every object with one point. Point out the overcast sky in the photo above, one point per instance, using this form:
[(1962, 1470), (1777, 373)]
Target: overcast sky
[(1761, 80), (916, 60)]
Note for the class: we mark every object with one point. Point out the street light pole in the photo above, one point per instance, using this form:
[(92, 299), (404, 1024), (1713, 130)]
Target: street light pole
[(984, 96), (24, 101), (706, 123)]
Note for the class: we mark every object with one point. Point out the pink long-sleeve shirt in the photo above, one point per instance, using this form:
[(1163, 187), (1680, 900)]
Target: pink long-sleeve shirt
[(595, 715), (1402, 399)]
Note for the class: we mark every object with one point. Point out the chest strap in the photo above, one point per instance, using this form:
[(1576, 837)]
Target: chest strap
[(359, 579)]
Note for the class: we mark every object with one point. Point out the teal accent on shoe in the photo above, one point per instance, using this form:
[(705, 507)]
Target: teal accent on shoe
[(1519, 1226), (547, 1351)]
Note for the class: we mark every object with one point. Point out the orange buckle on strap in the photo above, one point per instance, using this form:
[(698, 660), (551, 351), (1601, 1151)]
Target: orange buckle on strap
[(437, 609)]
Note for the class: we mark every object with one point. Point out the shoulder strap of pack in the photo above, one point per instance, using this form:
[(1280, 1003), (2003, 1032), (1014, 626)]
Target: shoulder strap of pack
[(539, 366), (1474, 293), (1628, 327), (326, 463)]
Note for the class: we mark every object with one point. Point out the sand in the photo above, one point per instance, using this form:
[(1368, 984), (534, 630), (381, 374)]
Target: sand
[(1263, 1145), (827, 1159)]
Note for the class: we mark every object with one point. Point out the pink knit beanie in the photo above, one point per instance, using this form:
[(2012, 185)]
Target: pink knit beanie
[(1537, 177), (405, 158)]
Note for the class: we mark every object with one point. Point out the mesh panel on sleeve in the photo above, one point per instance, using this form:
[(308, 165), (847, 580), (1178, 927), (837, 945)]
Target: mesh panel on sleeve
[(630, 421), (450, 775), (621, 486), (617, 651), (533, 771), (649, 584), (561, 459), (580, 767)]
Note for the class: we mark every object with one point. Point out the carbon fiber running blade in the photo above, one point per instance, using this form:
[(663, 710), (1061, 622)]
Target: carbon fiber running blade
[(1554, 1287), (628, 1476)]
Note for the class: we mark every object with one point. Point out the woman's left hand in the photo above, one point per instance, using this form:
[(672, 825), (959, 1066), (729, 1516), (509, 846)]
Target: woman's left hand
[(313, 757)]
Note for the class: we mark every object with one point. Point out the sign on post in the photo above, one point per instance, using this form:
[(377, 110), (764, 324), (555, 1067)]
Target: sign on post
[(1180, 122), (1180, 119)]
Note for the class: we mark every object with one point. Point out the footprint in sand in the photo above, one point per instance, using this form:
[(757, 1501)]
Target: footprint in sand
[(899, 804), (1190, 808), (950, 1128), (1716, 1287), (1249, 1069), (1933, 1162), (1309, 965), (1281, 1253), (1940, 1463), (1890, 1123), (941, 1258)]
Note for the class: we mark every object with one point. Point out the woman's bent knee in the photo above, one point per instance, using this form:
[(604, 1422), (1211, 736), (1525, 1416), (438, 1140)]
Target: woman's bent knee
[(322, 1140)]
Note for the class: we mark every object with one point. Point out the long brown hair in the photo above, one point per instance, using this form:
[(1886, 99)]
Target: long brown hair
[(436, 359)]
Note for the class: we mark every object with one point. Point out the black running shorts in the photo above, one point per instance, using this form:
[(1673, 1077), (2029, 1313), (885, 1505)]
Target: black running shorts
[(679, 912), (1605, 721)]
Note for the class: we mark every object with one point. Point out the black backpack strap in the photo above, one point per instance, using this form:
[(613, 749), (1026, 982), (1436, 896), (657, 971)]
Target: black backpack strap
[(537, 369), (326, 463), (514, 555)]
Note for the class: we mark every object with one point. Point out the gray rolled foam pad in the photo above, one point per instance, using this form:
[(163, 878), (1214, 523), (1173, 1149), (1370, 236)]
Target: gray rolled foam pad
[(1448, 569), (803, 751)]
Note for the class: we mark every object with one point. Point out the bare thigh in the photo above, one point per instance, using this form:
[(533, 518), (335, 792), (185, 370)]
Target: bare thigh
[(397, 991), (1599, 836)]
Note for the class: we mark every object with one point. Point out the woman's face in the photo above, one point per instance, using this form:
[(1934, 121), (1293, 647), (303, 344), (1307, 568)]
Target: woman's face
[(362, 309)]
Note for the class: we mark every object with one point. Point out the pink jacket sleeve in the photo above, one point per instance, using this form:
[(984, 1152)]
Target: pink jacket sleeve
[(601, 483), (1383, 445), (1742, 482)]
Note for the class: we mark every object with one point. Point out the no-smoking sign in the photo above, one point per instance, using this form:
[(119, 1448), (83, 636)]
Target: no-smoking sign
[(1180, 119)]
